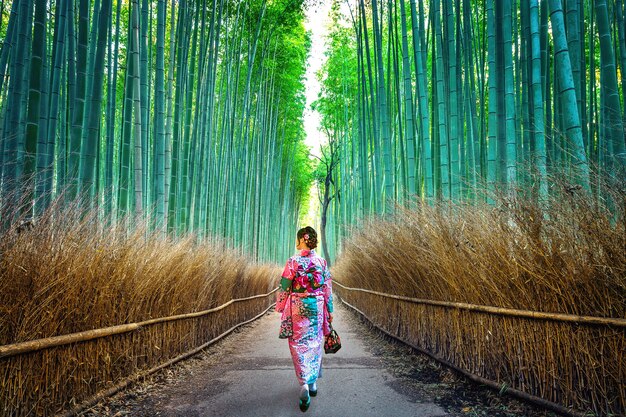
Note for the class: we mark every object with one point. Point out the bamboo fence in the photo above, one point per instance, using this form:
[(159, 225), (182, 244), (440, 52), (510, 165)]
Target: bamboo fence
[(63, 374), (567, 363)]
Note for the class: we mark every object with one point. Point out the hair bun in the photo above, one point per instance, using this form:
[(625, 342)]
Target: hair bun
[(309, 235)]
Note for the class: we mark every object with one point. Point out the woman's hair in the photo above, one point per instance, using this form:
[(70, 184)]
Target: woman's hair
[(311, 242)]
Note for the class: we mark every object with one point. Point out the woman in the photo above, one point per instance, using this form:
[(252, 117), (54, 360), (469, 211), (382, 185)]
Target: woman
[(305, 301)]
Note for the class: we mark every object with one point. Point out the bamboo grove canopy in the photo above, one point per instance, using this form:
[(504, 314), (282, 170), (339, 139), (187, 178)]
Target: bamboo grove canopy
[(441, 98), (189, 111)]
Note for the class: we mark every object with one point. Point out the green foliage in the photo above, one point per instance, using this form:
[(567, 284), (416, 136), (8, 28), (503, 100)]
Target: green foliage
[(338, 80), (231, 92), (494, 103)]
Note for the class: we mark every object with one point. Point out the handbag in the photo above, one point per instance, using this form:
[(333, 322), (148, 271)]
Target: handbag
[(332, 342)]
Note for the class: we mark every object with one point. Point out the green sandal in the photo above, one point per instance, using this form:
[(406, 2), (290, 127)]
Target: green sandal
[(305, 405), (305, 400)]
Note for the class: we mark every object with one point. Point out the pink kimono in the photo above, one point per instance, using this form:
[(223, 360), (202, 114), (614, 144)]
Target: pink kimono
[(305, 301)]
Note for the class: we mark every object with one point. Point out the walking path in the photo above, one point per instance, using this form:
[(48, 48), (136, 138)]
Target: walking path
[(251, 375)]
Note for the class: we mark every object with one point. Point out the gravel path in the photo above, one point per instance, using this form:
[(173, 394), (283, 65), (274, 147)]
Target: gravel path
[(250, 374)]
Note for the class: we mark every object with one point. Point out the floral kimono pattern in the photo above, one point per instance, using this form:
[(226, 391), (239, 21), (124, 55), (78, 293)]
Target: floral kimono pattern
[(305, 301)]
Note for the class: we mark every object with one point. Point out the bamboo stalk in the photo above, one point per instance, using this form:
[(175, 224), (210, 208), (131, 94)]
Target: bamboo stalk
[(121, 385), (46, 343), (491, 384), (568, 318)]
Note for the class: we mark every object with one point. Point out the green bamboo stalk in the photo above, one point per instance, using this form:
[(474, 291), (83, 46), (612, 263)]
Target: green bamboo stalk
[(159, 113), (78, 100), (442, 111), (509, 98), (91, 139), (613, 122), (35, 101), (137, 127), (14, 115), (382, 109), (573, 130), (408, 105), (537, 105), (492, 122)]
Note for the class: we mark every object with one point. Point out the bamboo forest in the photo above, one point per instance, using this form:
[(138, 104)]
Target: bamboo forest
[(463, 162)]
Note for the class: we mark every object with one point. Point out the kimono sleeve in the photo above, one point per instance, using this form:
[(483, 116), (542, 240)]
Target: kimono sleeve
[(289, 273), (328, 289), (285, 285)]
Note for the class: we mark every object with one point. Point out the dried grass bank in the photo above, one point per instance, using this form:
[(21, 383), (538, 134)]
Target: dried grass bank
[(570, 260), (65, 275)]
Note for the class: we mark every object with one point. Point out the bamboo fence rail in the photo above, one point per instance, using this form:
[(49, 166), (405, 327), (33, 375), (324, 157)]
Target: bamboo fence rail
[(65, 374), (572, 318), (573, 365)]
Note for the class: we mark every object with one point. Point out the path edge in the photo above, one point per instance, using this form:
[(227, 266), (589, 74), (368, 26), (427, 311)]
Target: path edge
[(130, 380)]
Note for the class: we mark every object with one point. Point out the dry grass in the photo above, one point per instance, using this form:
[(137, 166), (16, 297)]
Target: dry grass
[(572, 259), (68, 273)]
